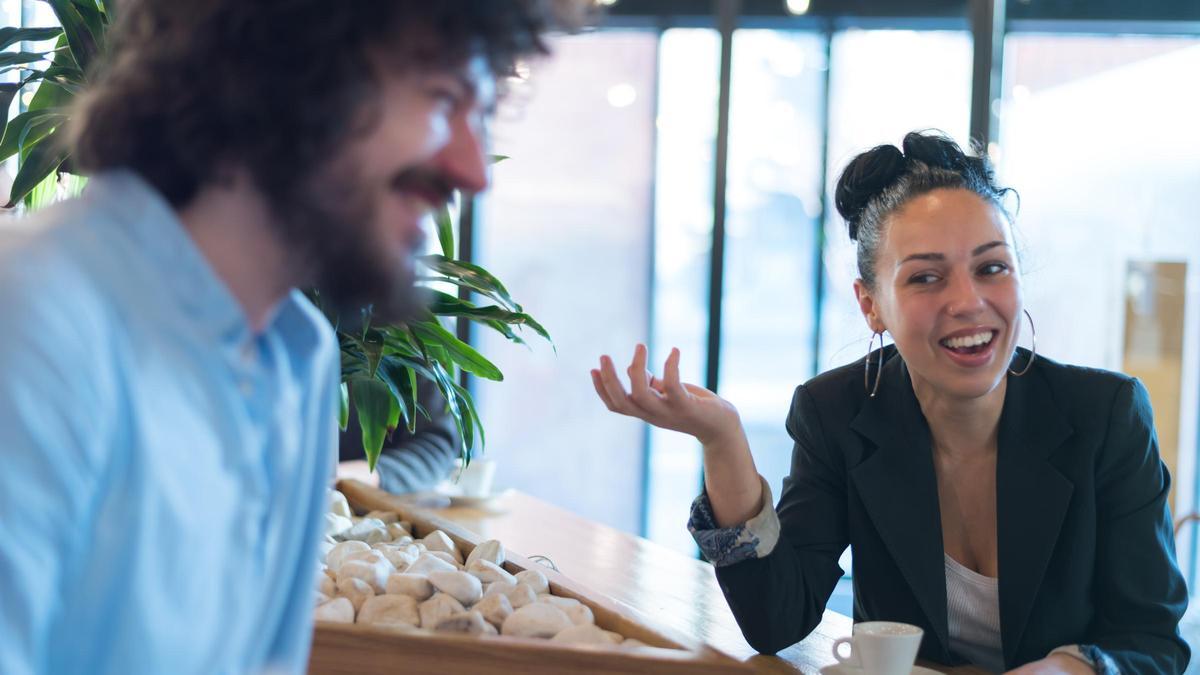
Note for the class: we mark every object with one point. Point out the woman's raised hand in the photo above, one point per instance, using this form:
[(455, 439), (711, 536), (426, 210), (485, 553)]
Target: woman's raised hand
[(666, 402)]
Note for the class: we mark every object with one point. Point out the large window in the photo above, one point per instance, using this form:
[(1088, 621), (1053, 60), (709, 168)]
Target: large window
[(687, 130), (1099, 136), (773, 217), (567, 227)]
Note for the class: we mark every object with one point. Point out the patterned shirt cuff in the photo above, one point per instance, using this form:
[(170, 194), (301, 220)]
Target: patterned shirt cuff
[(1093, 656), (724, 546)]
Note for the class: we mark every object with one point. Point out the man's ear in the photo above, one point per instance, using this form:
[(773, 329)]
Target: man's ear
[(868, 306)]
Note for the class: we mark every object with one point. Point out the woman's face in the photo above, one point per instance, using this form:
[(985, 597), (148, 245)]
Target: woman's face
[(948, 291)]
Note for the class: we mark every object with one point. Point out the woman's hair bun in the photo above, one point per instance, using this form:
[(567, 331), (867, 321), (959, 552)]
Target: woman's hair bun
[(865, 177), (936, 151)]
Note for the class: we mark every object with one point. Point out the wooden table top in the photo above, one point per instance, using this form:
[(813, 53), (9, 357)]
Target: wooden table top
[(679, 592)]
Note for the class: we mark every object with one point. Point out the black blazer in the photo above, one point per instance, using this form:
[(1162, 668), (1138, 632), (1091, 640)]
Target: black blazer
[(1086, 550)]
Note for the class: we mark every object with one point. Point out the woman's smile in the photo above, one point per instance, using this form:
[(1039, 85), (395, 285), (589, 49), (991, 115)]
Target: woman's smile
[(970, 347)]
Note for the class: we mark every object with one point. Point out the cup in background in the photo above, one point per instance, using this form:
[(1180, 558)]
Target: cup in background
[(881, 647), (476, 479)]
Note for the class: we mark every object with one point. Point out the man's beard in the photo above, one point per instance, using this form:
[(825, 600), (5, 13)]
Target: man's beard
[(333, 238)]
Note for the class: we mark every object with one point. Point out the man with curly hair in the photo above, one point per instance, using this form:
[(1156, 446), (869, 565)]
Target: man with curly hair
[(167, 397)]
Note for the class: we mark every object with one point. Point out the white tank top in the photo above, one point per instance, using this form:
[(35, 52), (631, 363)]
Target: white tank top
[(973, 610)]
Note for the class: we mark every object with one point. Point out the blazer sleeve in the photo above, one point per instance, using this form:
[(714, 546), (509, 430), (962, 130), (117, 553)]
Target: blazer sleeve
[(1140, 592), (778, 599)]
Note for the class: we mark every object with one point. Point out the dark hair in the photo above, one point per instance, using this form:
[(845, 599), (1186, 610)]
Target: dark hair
[(881, 180), (272, 85)]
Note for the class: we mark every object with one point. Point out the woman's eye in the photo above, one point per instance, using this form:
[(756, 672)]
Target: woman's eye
[(993, 268), (926, 278)]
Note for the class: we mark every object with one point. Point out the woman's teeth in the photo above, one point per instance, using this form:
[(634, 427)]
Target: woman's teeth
[(968, 341)]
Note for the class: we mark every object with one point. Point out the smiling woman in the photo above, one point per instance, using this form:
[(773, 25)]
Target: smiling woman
[(1012, 507)]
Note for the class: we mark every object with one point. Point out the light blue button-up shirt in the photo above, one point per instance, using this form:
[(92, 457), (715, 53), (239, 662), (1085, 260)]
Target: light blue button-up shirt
[(162, 467)]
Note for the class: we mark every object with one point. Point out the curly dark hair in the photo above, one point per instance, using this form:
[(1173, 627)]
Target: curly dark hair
[(878, 182), (274, 86)]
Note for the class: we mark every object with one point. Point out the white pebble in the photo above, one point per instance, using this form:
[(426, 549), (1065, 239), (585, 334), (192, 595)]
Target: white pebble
[(440, 541), (494, 608), (363, 529), (415, 586), (335, 524), (374, 573), (536, 620), (427, 562), (490, 550), (586, 634), (470, 623), (489, 572), (338, 504), (521, 595), (337, 610), (535, 579), (356, 591), (459, 585), (389, 609), (578, 612), (437, 608), (338, 553)]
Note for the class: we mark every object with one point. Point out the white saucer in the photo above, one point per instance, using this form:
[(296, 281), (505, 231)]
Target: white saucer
[(476, 501), (839, 669)]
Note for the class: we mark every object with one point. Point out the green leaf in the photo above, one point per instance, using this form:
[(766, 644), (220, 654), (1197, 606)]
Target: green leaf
[(94, 19), (80, 39), (343, 406), (465, 431), (444, 304), (29, 128), (65, 76), (10, 36), (372, 344), (496, 159), (373, 405), (467, 401), (445, 230), (14, 58), (411, 393), (8, 92), (433, 335), (471, 276), (43, 194), (43, 159), (395, 376)]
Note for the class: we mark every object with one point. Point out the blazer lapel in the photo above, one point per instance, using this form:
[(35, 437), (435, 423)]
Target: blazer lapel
[(899, 488), (1031, 499)]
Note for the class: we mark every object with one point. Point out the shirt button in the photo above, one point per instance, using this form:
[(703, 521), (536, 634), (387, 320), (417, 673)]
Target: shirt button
[(245, 387)]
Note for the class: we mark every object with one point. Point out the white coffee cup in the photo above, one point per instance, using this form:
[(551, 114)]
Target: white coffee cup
[(881, 647), (476, 479)]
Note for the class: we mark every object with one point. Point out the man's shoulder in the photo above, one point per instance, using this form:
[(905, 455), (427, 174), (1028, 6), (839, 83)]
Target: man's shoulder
[(49, 280)]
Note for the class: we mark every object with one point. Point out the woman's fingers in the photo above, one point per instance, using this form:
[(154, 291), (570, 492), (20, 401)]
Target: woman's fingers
[(671, 384), (601, 391), (612, 386), (639, 381)]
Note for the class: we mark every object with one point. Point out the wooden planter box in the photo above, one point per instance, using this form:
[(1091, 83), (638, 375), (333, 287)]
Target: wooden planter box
[(358, 649)]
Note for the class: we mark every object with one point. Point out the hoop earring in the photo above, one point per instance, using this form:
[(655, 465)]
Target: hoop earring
[(873, 389), (1032, 349)]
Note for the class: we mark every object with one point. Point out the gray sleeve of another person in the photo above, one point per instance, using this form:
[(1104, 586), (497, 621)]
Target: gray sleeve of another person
[(411, 462)]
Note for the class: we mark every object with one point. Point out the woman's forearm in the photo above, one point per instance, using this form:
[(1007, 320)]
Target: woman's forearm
[(731, 481)]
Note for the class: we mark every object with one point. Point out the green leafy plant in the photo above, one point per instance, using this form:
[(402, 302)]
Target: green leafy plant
[(381, 363)]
